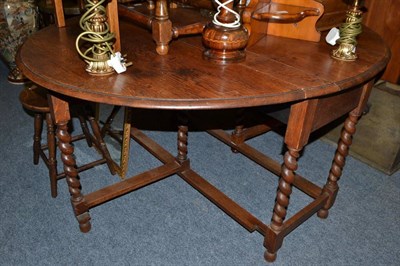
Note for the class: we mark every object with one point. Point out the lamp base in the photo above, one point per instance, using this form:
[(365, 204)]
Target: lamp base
[(345, 52), (224, 57), (224, 45), (99, 68)]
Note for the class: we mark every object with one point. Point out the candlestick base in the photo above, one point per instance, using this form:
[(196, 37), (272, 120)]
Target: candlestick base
[(345, 52), (224, 45), (99, 68)]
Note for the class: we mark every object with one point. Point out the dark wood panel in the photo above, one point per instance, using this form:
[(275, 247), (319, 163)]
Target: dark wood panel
[(383, 16)]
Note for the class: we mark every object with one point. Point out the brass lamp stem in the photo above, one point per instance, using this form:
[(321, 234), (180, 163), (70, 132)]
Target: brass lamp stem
[(96, 32), (348, 34)]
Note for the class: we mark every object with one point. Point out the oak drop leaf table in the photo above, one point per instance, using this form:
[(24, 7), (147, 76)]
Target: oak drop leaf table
[(277, 70)]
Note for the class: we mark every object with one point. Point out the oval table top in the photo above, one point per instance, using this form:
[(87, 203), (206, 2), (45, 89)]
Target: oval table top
[(276, 70)]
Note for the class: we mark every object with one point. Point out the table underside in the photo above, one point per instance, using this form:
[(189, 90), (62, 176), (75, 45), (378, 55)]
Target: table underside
[(274, 233)]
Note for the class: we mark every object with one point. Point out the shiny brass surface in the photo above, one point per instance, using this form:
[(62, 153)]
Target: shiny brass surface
[(348, 34), (96, 31)]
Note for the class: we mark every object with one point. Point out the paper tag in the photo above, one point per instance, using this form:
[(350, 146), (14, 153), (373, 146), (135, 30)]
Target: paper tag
[(116, 61), (333, 36)]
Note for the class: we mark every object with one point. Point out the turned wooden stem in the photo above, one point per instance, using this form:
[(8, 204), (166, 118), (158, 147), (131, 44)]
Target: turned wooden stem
[(182, 138), (331, 187), (225, 16), (77, 200), (225, 44), (285, 188), (162, 27), (236, 135)]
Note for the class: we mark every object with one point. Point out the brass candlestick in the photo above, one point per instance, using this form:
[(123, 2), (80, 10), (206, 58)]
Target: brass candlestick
[(348, 34), (97, 34), (225, 38)]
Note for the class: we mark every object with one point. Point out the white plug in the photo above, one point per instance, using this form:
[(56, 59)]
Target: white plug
[(117, 62), (333, 36)]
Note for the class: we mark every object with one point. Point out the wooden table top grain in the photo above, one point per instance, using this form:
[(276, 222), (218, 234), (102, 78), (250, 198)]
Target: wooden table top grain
[(276, 70)]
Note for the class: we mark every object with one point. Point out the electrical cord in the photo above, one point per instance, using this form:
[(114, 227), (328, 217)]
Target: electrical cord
[(96, 31), (233, 24), (350, 29)]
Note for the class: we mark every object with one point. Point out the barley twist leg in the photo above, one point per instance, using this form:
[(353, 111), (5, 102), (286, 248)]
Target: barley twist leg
[(182, 143), (282, 197), (77, 200), (331, 187), (236, 135)]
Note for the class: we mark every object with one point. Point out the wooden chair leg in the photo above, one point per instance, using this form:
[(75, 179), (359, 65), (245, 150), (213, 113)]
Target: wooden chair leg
[(85, 130), (37, 137), (51, 142), (109, 120), (161, 26), (150, 4), (101, 144)]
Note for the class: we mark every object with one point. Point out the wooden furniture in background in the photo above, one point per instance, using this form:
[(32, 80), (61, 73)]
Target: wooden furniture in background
[(286, 18), (276, 71), (225, 38), (112, 13), (157, 18), (70, 8), (334, 13), (34, 99), (383, 16)]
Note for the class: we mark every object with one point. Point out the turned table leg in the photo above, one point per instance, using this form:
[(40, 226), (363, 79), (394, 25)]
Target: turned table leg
[(349, 128), (297, 133), (61, 116), (331, 187), (282, 198), (182, 138), (236, 135)]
